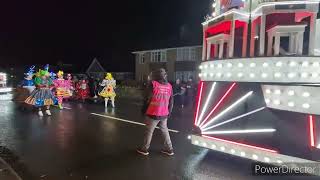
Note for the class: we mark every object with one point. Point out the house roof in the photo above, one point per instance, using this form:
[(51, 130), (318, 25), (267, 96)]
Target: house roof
[(95, 66)]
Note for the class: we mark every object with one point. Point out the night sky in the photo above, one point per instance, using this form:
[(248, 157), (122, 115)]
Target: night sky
[(68, 31)]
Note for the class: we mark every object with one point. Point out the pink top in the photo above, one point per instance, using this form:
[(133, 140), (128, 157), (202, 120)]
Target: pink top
[(60, 83), (159, 104)]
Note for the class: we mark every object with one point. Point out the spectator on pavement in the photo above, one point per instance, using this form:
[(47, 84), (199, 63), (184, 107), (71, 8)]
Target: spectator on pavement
[(158, 107), (179, 93), (190, 92)]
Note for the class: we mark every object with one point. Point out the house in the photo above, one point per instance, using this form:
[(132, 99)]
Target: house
[(180, 62), (95, 69)]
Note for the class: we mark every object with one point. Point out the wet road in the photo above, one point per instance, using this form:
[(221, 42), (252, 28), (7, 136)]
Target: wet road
[(75, 144)]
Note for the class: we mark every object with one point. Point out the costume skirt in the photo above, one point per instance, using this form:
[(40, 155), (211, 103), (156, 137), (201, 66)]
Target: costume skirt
[(107, 92), (61, 92), (41, 97)]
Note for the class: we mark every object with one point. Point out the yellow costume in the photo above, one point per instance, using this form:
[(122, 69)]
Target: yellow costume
[(108, 91)]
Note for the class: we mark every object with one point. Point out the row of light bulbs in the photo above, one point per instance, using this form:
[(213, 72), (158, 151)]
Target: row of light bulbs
[(277, 102), (263, 75), (290, 92), (265, 64), (233, 151)]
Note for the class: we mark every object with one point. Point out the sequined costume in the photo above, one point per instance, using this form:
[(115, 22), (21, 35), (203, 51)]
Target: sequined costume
[(25, 88), (82, 90), (108, 91), (70, 85), (28, 82), (61, 88), (42, 95)]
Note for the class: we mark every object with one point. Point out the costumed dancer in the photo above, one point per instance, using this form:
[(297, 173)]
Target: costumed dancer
[(28, 81), (70, 85), (53, 76), (61, 88), (83, 90), (42, 96), (108, 92), (25, 88)]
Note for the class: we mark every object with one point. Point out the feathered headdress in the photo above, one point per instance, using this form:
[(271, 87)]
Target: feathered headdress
[(41, 73), (30, 71), (46, 67)]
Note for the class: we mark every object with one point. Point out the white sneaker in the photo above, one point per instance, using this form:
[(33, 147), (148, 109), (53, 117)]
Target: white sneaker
[(48, 112), (40, 113)]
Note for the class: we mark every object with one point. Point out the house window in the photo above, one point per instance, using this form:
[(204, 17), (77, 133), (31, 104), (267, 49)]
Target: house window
[(141, 58), (159, 56), (184, 75), (186, 54)]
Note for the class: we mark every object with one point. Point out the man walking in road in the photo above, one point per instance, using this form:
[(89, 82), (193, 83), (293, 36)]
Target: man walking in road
[(158, 107)]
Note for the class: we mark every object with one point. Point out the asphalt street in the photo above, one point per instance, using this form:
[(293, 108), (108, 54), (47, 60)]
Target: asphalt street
[(87, 141)]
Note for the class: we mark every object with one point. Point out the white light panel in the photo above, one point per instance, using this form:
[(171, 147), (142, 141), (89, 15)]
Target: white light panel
[(263, 69), (5, 90), (303, 99)]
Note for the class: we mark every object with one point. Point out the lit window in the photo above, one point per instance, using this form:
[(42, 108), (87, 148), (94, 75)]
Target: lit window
[(141, 58), (159, 56), (186, 54)]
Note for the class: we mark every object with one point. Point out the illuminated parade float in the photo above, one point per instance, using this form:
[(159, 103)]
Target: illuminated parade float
[(3, 83), (259, 94)]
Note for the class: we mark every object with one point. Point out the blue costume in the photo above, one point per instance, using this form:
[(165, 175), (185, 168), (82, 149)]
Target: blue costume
[(28, 82)]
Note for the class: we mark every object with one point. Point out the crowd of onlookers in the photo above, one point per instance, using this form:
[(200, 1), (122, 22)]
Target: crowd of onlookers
[(184, 92)]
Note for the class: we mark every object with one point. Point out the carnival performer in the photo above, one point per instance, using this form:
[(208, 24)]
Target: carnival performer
[(70, 85), (83, 90), (53, 76), (108, 92), (61, 88), (42, 95), (24, 89), (28, 81)]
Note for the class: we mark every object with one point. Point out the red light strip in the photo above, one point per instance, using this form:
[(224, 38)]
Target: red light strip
[(217, 105), (311, 126), (241, 144), (199, 102)]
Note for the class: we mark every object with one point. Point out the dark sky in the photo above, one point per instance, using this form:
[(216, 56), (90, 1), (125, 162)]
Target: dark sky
[(48, 31)]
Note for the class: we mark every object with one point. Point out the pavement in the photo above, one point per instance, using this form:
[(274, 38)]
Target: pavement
[(87, 141)]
